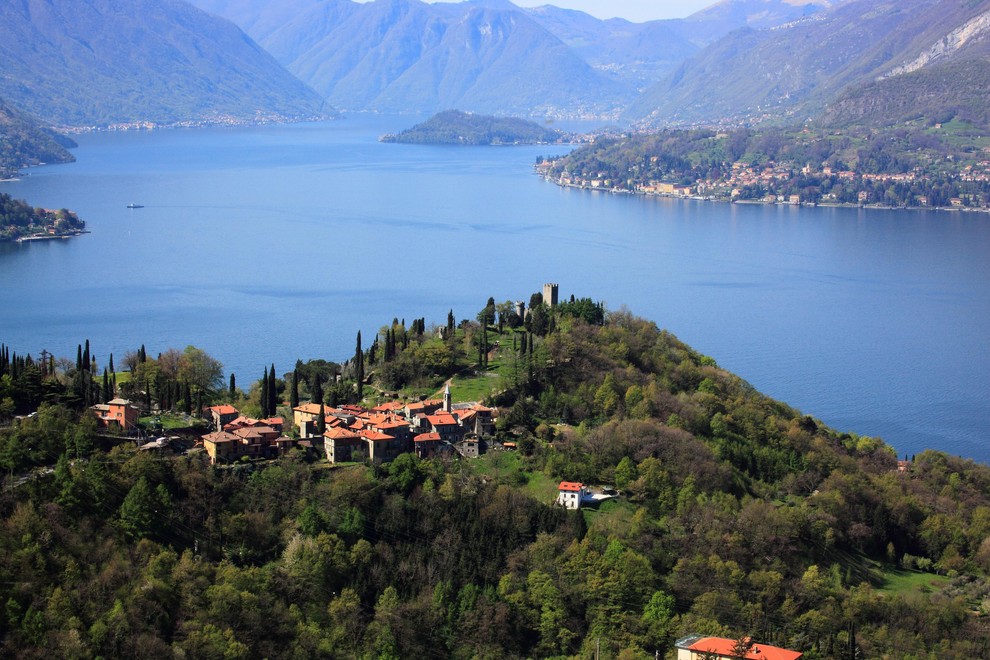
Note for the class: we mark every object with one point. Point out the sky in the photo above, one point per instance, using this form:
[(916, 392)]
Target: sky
[(633, 10)]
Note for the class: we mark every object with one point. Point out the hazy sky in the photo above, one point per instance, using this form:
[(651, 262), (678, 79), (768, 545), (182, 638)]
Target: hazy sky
[(633, 10)]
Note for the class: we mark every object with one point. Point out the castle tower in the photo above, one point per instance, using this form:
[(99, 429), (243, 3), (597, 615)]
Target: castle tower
[(447, 403), (550, 294), (521, 309)]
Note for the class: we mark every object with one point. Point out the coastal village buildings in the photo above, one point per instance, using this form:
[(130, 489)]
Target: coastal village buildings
[(427, 428), (244, 436)]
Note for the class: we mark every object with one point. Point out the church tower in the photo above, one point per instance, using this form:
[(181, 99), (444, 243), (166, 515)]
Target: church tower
[(447, 403)]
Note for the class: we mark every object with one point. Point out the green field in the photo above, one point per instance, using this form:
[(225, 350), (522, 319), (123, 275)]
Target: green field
[(899, 581)]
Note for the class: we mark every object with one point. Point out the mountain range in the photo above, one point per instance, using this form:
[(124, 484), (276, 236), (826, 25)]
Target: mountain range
[(98, 62), (484, 55)]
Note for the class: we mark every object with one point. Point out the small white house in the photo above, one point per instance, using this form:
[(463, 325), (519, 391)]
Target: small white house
[(570, 494)]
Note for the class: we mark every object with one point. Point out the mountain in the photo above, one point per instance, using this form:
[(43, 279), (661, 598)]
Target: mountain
[(24, 142), (635, 53), (406, 55), (84, 62), (794, 70)]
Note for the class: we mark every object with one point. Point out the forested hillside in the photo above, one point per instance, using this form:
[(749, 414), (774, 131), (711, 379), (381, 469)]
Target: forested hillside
[(738, 516), (77, 63), (24, 142)]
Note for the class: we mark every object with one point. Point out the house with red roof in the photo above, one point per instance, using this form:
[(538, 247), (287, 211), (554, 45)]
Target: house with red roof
[(343, 445), (222, 415), (444, 424), (382, 448), (699, 647), (427, 445), (118, 414), (570, 494), (306, 412)]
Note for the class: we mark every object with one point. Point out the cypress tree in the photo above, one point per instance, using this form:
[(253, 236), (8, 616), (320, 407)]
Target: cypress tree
[(359, 367), (272, 395), (85, 356), (233, 386), (199, 402), (111, 364), (142, 354), (79, 356), (263, 394), (187, 398), (321, 421), (294, 393), (450, 323), (317, 389), (106, 387)]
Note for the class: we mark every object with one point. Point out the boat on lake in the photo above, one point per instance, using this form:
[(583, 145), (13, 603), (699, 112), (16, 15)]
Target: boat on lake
[(135, 206)]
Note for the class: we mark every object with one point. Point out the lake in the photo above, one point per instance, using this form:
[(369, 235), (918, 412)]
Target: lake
[(268, 244)]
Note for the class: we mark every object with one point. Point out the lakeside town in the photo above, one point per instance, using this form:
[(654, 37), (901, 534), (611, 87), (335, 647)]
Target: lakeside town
[(898, 170)]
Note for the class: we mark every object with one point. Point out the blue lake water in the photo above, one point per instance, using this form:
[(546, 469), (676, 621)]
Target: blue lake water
[(274, 243)]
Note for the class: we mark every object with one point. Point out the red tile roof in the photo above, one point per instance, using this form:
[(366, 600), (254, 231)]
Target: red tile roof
[(442, 419), (340, 434), (570, 486), (426, 437), (220, 436), (757, 651), (375, 436), (225, 409), (308, 408)]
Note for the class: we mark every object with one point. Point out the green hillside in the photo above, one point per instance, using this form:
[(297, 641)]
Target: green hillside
[(737, 516)]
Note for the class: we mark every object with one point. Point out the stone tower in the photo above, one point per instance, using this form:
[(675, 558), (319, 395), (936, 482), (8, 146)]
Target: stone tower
[(521, 309), (550, 294), (447, 403)]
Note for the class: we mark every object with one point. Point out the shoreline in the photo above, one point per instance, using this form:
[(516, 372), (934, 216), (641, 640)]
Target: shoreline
[(760, 202)]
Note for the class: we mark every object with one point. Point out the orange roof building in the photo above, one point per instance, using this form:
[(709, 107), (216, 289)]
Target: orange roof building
[(697, 647)]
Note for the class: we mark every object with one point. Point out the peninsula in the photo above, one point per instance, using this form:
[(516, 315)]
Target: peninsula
[(614, 491), (21, 222)]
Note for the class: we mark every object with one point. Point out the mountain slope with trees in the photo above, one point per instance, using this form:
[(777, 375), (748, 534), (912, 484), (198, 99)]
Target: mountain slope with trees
[(791, 72), (79, 63), (24, 142)]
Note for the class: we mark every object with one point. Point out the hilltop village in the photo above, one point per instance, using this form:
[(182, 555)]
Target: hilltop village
[(352, 433)]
